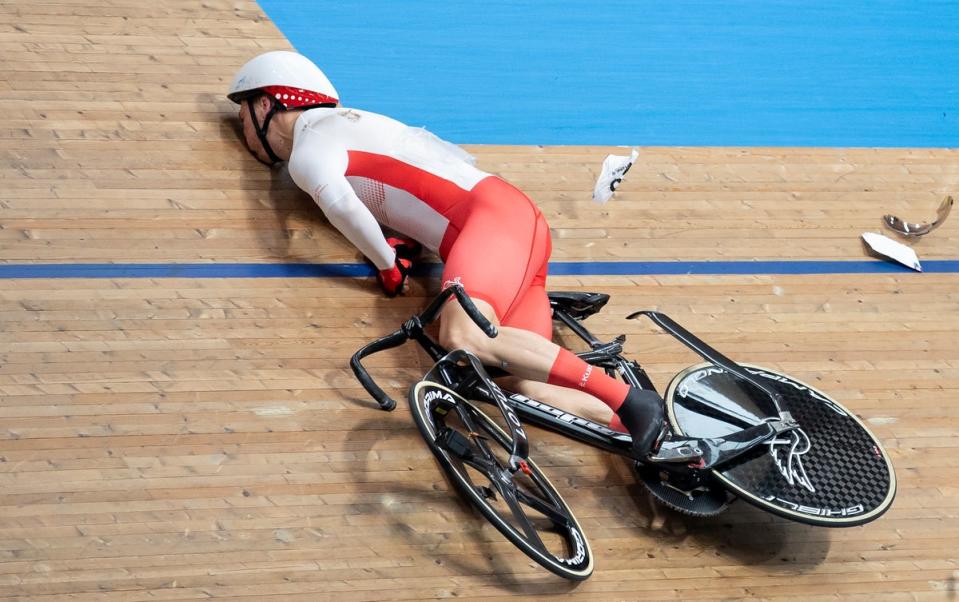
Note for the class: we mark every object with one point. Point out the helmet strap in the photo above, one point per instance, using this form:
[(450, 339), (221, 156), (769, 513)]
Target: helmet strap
[(261, 131)]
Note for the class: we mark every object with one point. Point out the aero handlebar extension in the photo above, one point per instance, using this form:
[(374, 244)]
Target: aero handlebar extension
[(410, 329)]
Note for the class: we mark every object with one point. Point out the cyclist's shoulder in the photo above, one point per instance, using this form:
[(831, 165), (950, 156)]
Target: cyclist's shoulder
[(335, 130), (340, 130), (344, 120)]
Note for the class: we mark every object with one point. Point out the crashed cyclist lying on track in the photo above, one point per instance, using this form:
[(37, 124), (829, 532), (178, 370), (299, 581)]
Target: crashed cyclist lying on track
[(367, 171)]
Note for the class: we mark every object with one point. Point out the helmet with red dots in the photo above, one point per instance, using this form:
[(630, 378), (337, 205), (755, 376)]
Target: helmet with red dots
[(290, 79)]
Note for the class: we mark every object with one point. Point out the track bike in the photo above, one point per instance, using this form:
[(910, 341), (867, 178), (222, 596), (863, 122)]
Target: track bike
[(732, 431)]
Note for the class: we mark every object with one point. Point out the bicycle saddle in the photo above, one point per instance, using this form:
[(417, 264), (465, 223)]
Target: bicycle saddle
[(577, 304)]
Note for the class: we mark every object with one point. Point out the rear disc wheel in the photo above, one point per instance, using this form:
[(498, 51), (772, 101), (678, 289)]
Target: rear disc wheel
[(829, 472)]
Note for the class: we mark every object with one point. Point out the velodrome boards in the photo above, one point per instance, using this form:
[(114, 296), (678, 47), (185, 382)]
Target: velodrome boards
[(179, 434)]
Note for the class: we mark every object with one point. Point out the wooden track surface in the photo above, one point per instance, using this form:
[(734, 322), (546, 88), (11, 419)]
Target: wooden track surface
[(202, 438)]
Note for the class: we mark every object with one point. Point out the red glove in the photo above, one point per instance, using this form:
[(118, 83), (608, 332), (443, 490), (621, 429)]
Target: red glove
[(393, 279)]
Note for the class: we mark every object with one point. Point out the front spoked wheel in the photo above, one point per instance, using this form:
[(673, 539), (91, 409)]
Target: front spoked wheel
[(523, 505)]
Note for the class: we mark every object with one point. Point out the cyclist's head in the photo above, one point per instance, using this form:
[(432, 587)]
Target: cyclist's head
[(277, 81)]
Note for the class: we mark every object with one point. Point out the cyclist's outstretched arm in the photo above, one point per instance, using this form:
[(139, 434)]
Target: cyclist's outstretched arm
[(320, 170)]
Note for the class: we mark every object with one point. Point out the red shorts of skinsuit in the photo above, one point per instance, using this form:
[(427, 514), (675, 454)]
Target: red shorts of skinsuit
[(497, 246)]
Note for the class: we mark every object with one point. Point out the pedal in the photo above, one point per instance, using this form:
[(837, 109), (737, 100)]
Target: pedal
[(455, 443)]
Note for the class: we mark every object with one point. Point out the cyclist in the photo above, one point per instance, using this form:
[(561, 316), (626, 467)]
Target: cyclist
[(366, 170)]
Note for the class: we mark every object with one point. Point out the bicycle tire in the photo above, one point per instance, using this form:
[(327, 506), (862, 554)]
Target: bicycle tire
[(577, 563), (831, 472)]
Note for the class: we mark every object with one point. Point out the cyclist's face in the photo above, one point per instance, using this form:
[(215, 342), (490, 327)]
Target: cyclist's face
[(249, 130)]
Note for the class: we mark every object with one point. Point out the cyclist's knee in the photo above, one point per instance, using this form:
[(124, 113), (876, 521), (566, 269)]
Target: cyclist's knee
[(466, 336), (458, 331)]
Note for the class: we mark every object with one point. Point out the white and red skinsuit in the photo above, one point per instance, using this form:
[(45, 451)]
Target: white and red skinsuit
[(365, 169)]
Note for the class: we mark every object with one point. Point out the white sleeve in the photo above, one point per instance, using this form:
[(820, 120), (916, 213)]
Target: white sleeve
[(351, 217), (320, 170)]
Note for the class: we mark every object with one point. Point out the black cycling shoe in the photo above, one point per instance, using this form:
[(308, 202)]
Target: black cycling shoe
[(643, 416)]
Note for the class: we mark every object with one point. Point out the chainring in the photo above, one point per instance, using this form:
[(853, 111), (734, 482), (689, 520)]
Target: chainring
[(702, 501)]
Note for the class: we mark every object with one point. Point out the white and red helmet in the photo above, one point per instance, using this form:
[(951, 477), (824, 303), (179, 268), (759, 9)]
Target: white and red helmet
[(291, 78)]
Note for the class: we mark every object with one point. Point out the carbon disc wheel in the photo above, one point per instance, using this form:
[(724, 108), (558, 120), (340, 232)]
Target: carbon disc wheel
[(830, 471)]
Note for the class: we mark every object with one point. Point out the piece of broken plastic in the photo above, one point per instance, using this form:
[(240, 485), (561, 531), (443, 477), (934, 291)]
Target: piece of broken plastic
[(892, 249), (910, 230), (611, 176)]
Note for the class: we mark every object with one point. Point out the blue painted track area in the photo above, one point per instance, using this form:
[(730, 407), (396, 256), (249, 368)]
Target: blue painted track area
[(698, 73)]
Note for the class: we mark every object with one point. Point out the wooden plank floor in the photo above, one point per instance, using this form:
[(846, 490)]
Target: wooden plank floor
[(178, 439)]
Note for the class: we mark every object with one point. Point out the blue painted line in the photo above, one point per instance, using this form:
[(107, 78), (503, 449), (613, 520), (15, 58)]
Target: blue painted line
[(672, 268), (355, 270), (185, 270)]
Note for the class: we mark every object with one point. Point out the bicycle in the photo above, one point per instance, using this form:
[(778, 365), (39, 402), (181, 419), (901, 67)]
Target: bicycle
[(733, 431)]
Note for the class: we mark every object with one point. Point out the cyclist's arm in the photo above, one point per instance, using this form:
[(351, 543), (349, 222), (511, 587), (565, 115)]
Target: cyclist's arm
[(321, 173)]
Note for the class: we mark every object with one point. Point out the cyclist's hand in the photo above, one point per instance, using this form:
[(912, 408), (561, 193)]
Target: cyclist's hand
[(393, 279), (406, 248)]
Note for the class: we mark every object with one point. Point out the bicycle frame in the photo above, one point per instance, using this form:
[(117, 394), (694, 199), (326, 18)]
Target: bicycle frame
[(696, 454)]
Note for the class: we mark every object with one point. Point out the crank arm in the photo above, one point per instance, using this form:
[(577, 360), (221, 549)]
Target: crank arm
[(710, 452)]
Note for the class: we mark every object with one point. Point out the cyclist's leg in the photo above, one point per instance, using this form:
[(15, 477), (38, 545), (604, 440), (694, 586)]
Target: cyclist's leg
[(532, 312), (527, 355), (501, 247), (532, 357), (499, 250), (570, 400)]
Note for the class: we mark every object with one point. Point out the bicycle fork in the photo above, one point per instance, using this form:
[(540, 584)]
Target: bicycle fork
[(519, 451)]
